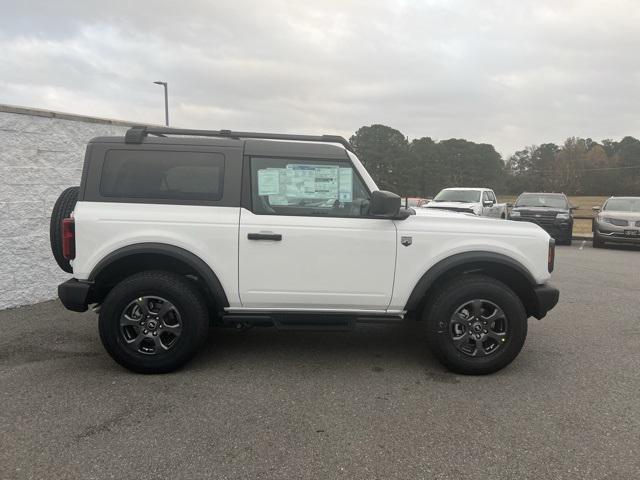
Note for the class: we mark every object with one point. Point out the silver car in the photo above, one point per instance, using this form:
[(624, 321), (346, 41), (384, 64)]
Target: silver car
[(617, 221)]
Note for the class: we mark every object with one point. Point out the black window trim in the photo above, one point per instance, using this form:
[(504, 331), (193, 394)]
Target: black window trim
[(247, 185)]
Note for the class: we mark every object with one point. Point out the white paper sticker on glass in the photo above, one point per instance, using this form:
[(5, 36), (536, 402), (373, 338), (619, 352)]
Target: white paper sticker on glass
[(269, 181)]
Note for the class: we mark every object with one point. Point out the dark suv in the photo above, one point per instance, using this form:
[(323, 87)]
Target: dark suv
[(549, 210)]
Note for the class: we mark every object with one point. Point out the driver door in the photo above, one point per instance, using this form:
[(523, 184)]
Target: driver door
[(306, 241)]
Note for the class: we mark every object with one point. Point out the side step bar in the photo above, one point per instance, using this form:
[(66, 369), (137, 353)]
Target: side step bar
[(306, 321)]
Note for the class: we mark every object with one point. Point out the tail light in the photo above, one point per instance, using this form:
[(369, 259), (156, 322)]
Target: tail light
[(68, 238), (552, 255)]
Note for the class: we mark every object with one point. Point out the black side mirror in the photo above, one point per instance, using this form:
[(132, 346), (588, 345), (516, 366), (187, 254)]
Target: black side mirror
[(384, 204)]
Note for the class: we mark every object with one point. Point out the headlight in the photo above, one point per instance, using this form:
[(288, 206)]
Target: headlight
[(563, 216), (615, 221), (514, 214)]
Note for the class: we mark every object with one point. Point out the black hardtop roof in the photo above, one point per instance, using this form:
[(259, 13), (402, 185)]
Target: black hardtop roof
[(137, 135), (269, 147)]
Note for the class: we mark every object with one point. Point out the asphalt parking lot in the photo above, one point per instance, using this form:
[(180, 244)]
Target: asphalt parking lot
[(371, 403)]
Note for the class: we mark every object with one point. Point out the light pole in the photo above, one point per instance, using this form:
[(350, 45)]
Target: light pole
[(166, 102)]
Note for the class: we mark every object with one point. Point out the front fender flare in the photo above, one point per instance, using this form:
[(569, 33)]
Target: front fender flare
[(459, 260)]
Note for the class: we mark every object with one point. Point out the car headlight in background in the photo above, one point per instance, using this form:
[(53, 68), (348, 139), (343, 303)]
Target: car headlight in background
[(615, 221), (514, 214), (563, 216)]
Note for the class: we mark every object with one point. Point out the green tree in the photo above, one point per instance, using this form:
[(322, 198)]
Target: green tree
[(384, 151)]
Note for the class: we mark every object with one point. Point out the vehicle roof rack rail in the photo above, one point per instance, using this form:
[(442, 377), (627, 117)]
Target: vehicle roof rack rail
[(137, 134)]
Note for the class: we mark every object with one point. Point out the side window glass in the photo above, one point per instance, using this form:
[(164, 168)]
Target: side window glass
[(492, 197), (162, 175), (485, 196), (307, 188)]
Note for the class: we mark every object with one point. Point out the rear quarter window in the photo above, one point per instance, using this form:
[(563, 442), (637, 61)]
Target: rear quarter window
[(162, 175)]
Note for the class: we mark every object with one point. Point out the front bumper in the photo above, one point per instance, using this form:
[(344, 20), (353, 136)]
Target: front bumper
[(558, 230), (545, 298), (75, 294), (611, 233)]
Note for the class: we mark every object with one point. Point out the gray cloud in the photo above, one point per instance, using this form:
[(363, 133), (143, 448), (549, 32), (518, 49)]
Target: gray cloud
[(507, 73)]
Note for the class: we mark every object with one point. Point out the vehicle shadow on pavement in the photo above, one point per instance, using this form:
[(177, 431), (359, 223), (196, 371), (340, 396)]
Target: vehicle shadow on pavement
[(372, 346)]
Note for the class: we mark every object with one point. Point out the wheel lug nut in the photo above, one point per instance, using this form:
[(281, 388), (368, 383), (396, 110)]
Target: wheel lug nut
[(155, 333), (477, 336), (484, 331), (142, 323), (146, 331)]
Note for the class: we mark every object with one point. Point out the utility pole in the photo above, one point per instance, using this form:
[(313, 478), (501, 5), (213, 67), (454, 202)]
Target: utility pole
[(166, 101)]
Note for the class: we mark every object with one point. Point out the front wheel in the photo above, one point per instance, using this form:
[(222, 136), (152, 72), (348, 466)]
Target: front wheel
[(476, 325), (153, 322)]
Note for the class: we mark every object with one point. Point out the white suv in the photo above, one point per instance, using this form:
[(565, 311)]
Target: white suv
[(167, 235)]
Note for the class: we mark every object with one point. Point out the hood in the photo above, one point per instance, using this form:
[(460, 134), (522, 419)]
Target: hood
[(451, 205), (437, 220), (622, 215), (441, 212), (540, 209)]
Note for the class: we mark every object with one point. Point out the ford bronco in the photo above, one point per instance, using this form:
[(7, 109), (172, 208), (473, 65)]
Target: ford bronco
[(173, 230)]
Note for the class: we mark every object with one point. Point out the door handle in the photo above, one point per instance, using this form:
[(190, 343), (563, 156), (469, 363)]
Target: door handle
[(264, 236)]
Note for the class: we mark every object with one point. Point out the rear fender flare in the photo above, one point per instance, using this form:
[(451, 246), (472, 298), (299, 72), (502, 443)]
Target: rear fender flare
[(198, 265)]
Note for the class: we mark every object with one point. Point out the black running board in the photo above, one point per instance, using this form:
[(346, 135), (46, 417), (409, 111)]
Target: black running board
[(306, 321)]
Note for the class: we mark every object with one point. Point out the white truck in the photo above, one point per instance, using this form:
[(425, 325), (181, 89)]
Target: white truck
[(479, 201), (172, 231)]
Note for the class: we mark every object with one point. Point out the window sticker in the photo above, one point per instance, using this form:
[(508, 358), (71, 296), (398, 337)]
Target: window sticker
[(269, 181), (302, 182), (318, 181), (345, 185)]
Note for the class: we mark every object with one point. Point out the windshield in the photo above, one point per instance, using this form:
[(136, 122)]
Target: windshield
[(463, 196), (541, 200), (623, 204)]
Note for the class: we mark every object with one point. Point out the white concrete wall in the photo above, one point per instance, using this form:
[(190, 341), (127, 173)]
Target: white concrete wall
[(41, 153)]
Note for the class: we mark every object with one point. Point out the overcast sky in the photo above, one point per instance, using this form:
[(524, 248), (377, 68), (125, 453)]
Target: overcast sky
[(510, 73)]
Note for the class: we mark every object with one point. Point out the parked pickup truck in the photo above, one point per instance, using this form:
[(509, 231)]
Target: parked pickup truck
[(172, 231), (479, 201)]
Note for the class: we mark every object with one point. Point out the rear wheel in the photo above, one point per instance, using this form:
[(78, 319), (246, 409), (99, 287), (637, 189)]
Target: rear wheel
[(476, 325), (153, 322), (62, 209)]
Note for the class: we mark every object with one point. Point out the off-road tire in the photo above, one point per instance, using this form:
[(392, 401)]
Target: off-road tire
[(62, 209), (456, 292), (178, 290)]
